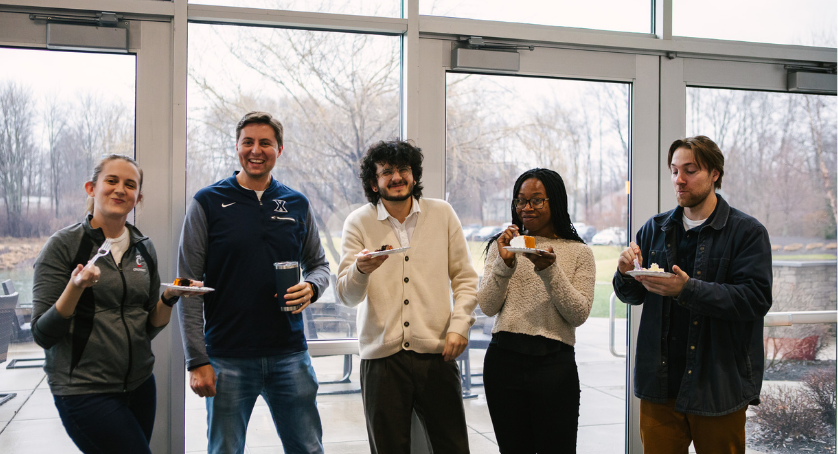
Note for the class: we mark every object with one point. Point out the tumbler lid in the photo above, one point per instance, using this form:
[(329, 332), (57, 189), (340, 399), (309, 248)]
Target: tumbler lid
[(286, 265)]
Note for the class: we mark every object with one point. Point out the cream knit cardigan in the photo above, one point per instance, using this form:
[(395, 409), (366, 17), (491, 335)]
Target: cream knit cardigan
[(551, 302), (406, 302)]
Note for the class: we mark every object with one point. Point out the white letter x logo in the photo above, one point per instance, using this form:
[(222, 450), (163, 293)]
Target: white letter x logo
[(280, 206)]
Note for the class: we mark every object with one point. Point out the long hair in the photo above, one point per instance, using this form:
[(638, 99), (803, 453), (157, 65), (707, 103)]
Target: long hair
[(395, 153), (88, 206), (556, 192)]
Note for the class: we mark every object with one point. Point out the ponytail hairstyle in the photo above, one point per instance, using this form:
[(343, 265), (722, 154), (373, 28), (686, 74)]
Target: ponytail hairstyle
[(557, 195), (88, 209)]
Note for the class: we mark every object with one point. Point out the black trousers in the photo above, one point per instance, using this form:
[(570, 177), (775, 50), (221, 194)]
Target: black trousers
[(104, 423), (393, 387), (533, 400)]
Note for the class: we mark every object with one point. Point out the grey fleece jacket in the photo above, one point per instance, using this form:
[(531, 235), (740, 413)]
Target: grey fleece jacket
[(106, 345)]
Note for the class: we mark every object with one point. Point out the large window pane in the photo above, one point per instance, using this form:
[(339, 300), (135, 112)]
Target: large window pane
[(59, 113), (810, 23), (500, 126), (384, 8), (616, 15), (780, 167)]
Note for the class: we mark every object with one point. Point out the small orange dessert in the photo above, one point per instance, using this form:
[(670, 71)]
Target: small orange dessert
[(523, 241), (182, 282), (385, 247)]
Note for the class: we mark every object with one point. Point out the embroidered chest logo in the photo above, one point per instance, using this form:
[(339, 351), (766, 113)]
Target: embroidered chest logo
[(141, 265), (280, 206)]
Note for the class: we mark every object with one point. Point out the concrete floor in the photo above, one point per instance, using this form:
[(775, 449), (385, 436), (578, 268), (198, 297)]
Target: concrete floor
[(29, 423)]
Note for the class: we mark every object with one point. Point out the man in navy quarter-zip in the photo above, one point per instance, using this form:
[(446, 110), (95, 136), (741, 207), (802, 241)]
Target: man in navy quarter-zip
[(238, 342)]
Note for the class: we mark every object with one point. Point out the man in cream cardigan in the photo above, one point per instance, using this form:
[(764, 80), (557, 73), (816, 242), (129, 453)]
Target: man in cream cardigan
[(409, 331)]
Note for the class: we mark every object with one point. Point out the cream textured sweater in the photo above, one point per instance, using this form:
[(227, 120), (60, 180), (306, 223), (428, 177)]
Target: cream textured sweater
[(551, 302), (406, 302)]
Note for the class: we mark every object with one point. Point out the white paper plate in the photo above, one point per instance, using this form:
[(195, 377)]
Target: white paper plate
[(524, 250), (387, 252), (649, 273), (189, 289)]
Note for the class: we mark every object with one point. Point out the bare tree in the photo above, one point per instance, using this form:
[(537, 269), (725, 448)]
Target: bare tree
[(17, 114), (55, 126)]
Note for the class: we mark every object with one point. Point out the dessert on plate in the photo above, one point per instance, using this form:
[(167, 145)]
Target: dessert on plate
[(655, 268), (523, 241), (182, 282), (383, 248)]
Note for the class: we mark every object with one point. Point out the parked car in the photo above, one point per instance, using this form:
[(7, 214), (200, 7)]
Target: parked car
[(471, 229), (612, 236), (586, 232), (487, 232)]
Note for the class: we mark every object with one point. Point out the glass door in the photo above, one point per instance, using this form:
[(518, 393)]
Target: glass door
[(573, 112), (61, 111), (780, 161), (579, 129)]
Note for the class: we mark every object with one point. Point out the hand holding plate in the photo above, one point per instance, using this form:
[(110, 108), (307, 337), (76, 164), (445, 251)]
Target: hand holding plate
[(542, 259)]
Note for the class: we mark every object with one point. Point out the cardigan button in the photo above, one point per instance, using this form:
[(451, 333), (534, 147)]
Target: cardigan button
[(406, 324), (406, 344), (406, 258), (406, 280), (406, 302)]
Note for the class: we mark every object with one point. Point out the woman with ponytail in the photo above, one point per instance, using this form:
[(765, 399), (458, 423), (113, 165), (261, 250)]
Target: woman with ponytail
[(95, 318), (529, 372)]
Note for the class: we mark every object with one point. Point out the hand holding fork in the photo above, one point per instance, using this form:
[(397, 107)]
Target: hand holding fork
[(88, 275)]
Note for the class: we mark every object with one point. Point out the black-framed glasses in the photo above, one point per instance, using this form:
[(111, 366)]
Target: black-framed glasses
[(388, 173), (536, 203)]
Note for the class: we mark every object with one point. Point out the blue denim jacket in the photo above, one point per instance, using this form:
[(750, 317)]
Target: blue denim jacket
[(728, 296)]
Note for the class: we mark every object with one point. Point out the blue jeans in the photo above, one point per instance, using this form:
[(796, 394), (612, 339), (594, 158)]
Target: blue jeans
[(288, 385), (105, 423)]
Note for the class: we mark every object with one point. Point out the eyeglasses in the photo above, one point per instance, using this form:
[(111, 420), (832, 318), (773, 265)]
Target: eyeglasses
[(388, 173), (536, 203)]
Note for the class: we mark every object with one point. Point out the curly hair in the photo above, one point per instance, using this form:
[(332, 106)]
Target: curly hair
[(394, 153), (556, 192)]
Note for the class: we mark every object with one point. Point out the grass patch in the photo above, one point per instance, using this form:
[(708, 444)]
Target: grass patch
[(602, 295)]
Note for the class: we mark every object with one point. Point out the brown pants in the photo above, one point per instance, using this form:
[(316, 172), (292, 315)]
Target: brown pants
[(665, 431)]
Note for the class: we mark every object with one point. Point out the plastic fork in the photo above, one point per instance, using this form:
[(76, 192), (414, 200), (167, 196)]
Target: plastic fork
[(104, 250)]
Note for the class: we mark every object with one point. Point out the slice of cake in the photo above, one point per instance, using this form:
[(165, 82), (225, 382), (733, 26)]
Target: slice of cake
[(523, 241), (182, 282)]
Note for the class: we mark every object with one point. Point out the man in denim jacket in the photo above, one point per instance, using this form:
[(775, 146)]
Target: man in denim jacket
[(699, 359)]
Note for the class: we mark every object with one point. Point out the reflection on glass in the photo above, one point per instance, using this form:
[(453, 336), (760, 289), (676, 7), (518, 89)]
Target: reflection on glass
[(780, 167), (335, 93), (615, 15), (383, 8), (809, 23)]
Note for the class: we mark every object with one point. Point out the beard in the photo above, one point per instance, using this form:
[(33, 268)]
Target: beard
[(694, 199), (402, 198)]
